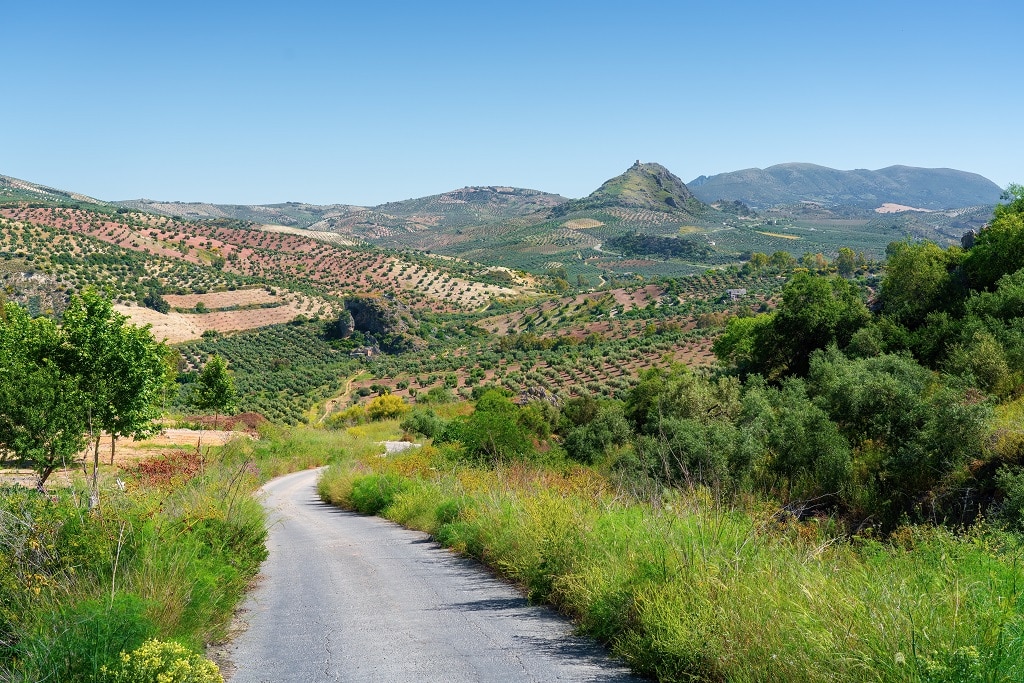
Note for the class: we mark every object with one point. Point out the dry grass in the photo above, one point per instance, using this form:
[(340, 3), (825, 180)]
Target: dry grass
[(239, 297), (582, 224), (775, 234), (175, 328)]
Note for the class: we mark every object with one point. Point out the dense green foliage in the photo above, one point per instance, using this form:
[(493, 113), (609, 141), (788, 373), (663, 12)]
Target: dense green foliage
[(999, 249), (42, 420), (632, 244), (215, 390), (815, 312), (86, 588), (94, 373), (495, 432)]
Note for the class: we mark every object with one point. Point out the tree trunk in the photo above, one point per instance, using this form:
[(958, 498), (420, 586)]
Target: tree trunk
[(94, 493), (113, 443), (42, 477), (94, 497)]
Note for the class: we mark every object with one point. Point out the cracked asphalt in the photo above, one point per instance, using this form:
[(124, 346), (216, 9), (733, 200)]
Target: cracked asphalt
[(343, 597)]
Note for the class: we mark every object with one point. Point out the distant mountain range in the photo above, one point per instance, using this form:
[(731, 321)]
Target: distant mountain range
[(922, 188), (647, 186), (644, 219), (457, 208)]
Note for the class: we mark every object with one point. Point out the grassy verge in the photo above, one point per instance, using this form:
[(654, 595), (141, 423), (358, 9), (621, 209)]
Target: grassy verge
[(168, 557), (688, 589)]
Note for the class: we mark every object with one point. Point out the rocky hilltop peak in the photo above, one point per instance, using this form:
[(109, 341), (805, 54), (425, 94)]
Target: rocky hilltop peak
[(643, 186)]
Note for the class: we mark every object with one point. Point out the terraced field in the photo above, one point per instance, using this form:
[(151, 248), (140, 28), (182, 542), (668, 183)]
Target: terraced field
[(233, 255), (72, 260)]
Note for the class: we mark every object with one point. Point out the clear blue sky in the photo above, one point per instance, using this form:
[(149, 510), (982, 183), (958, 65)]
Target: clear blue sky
[(361, 103)]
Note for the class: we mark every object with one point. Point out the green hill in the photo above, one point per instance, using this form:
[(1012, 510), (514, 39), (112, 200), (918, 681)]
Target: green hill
[(23, 190), (924, 188), (455, 209), (291, 214), (643, 186), (646, 202)]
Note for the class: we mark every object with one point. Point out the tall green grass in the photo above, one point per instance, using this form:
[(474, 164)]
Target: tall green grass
[(79, 587), (690, 589)]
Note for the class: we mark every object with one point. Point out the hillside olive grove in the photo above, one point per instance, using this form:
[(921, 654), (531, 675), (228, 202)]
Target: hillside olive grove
[(881, 407)]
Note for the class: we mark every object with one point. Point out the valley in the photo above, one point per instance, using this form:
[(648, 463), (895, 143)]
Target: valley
[(768, 426)]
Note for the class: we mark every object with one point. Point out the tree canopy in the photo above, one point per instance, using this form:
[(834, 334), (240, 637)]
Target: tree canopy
[(93, 373), (42, 417), (999, 247), (815, 311), (216, 389)]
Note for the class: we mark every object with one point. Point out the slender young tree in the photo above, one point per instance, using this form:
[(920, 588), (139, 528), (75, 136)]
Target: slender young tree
[(216, 390), (136, 379), (119, 367)]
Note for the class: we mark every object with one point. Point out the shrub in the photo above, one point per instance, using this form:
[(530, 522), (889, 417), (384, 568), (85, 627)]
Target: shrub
[(1011, 481), (386, 407), (355, 415), (438, 395), (372, 494), (590, 429), (44, 544), (425, 422), (493, 433), (163, 662)]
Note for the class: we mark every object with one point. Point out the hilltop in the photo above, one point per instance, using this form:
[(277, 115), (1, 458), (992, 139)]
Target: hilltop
[(290, 214), (470, 205), (643, 186), (922, 188), (578, 238), (454, 209), (16, 189)]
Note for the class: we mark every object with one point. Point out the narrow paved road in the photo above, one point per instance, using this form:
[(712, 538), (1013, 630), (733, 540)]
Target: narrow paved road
[(344, 597)]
